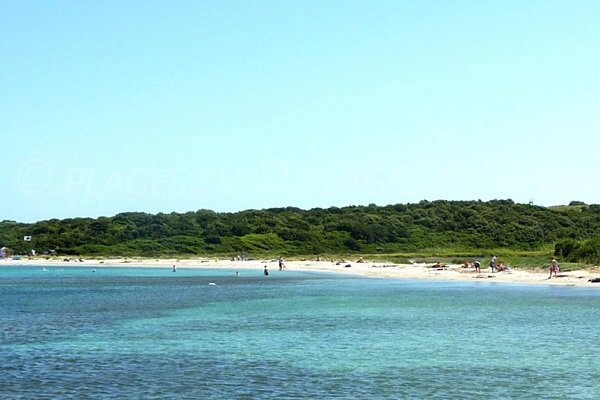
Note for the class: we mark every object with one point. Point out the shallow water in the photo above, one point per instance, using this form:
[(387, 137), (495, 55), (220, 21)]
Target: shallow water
[(150, 333)]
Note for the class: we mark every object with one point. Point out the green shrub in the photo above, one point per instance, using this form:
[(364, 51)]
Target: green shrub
[(587, 251)]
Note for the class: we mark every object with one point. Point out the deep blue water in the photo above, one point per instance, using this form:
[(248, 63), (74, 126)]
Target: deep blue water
[(141, 333)]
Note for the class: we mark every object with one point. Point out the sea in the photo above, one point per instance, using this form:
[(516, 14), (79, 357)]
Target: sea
[(151, 333)]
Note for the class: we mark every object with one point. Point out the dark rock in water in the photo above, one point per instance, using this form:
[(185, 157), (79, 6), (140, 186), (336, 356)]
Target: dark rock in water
[(594, 280)]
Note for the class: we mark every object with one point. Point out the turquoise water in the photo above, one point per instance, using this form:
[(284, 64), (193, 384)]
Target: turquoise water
[(137, 333)]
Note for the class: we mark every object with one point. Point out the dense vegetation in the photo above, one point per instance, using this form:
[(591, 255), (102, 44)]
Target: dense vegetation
[(587, 251), (472, 226)]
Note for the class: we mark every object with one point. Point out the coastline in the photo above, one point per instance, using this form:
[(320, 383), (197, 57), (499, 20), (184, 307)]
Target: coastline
[(579, 278)]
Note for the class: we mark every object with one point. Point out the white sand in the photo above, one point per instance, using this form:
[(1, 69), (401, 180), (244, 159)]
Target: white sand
[(369, 269)]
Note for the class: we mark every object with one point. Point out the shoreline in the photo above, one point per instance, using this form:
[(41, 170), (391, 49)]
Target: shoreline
[(579, 278)]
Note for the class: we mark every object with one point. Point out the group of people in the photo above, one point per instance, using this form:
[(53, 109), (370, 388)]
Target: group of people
[(494, 265), (498, 267), (280, 263), (475, 264)]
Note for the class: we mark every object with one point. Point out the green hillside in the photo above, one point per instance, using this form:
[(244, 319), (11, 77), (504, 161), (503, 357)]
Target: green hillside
[(427, 228)]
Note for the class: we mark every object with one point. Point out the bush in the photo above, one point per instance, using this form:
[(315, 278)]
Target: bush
[(352, 244), (589, 251), (212, 239), (574, 251), (566, 249), (577, 203)]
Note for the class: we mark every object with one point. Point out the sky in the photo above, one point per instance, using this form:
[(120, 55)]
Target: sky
[(175, 106)]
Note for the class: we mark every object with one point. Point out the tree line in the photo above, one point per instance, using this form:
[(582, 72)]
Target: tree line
[(290, 231)]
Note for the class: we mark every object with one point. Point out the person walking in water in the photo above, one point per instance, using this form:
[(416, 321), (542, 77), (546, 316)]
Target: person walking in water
[(266, 271), (554, 268)]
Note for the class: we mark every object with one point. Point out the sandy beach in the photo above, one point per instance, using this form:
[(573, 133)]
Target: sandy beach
[(367, 269)]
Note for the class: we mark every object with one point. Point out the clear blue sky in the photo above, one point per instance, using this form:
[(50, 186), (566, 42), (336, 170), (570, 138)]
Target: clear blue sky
[(160, 106)]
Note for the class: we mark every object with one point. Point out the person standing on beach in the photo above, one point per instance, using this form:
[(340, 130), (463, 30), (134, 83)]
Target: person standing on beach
[(477, 265), (554, 268), (493, 263)]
